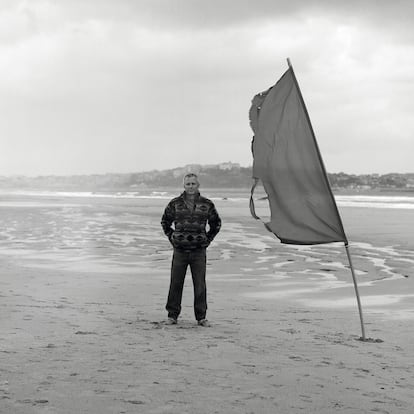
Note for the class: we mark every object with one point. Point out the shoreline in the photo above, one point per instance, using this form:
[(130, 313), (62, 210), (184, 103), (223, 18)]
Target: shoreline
[(335, 190)]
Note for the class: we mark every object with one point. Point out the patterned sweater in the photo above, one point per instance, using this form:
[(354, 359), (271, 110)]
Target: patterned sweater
[(189, 231)]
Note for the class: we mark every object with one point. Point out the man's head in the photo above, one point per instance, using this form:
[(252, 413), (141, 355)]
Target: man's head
[(191, 184)]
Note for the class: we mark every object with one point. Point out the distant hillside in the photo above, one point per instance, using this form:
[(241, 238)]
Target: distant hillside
[(228, 175)]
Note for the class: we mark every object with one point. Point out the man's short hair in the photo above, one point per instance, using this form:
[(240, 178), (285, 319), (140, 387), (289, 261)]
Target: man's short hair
[(190, 175)]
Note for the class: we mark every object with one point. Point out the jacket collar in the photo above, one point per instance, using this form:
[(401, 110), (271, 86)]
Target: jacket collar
[(184, 196)]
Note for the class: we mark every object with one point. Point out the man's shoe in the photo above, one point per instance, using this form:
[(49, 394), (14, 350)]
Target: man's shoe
[(171, 321), (204, 322)]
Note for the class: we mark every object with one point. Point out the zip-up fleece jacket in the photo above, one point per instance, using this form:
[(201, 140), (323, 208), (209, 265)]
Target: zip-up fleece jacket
[(189, 231)]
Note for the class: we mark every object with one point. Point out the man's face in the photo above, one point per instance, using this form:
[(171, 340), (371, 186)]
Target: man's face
[(191, 185)]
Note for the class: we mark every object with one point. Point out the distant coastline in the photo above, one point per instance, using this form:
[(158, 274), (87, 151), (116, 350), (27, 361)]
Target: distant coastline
[(224, 175)]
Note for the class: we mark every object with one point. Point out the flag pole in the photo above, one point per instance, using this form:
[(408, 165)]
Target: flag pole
[(333, 199), (356, 291)]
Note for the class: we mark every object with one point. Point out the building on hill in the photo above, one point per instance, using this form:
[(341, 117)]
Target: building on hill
[(229, 166)]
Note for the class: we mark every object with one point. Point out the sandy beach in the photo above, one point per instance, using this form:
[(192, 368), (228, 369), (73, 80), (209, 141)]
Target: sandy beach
[(83, 287)]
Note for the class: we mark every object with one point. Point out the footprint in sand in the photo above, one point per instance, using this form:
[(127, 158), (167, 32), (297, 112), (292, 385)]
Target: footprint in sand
[(299, 358)]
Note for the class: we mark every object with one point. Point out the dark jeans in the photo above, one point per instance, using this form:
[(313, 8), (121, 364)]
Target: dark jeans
[(197, 261)]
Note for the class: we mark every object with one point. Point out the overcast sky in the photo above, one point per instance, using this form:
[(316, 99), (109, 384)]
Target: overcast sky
[(96, 86)]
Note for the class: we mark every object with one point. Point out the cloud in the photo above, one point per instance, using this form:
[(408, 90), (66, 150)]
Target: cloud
[(97, 85)]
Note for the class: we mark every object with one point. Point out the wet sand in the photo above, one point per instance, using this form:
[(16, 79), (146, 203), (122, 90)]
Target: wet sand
[(82, 293)]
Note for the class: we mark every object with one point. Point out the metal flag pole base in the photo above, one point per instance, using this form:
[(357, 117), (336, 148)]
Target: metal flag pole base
[(363, 337)]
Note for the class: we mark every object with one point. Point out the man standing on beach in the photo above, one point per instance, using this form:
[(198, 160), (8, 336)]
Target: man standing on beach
[(190, 213)]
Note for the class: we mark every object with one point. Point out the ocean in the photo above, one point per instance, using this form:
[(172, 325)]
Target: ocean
[(231, 195)]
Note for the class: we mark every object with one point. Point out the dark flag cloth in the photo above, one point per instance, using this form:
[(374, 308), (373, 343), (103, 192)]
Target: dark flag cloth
[(287, 160)]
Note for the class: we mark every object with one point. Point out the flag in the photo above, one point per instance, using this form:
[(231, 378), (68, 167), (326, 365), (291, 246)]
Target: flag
[(287, 160)]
